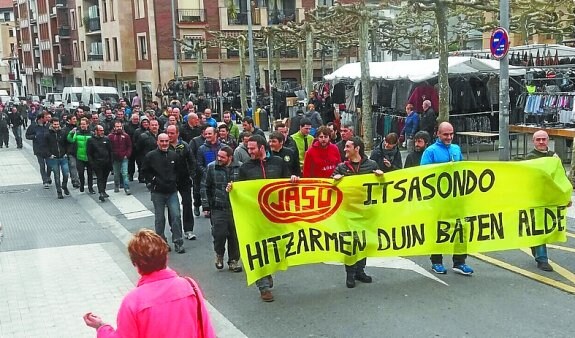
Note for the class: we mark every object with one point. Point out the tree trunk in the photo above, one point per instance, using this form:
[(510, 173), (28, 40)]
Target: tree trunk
[(443, 77), (365, 80), (334, 56), (308, 60), (301, 56), (200, 70), (243, 89)]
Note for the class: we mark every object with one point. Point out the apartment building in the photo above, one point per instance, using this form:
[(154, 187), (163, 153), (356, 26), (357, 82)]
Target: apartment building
[(8, 50), (128, 44)]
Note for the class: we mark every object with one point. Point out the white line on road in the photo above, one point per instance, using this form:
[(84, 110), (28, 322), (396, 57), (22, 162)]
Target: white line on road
[(129, 205)]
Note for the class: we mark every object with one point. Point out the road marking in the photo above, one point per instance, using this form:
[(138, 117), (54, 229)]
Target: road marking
[(559, 269), (399, 263), (129, 206), (562, 248), (529, 274), (570, 235), (222, 325)]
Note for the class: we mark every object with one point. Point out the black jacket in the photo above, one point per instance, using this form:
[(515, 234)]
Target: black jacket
[(56, 143), (188, 133), (348, 168), (4, 121), (380, 153), (291, 160), (214, 194), (146, 143), (271, 167), (187, 168), (99, 152), (413, 159), (428, 122), (37, 133), (71, 147), (160, 170), (16, 119)]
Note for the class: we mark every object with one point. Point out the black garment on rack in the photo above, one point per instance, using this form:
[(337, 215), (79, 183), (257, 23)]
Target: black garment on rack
[(338, 94)]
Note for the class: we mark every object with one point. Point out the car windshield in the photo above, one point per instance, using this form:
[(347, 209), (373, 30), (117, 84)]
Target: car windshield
[(110, 97), (57, 97), (76, 97)]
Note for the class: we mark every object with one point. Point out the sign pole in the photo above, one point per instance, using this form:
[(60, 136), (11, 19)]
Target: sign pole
[(504, 152)]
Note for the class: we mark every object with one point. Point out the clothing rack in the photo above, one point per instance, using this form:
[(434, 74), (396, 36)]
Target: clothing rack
[(472, 114)]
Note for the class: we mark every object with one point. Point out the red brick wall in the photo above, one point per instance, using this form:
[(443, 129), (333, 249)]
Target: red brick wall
[(213, 20), (164, 29), (142, 26)]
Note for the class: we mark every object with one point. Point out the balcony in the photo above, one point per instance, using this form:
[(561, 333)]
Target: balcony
[(190, 16), (95, 57), (62, 3), (64, 32), (284, 16), (66, 61), (93, 24)]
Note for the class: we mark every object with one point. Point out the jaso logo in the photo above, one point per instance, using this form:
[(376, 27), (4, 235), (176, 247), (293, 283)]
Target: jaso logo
[(308, 201)]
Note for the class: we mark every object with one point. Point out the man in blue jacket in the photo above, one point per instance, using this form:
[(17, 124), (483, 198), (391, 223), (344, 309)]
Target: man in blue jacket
[(443, 151), (37, 132)]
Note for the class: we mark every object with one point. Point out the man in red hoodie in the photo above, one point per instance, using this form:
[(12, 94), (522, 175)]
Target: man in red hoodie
[(321, 159), (121, 152)]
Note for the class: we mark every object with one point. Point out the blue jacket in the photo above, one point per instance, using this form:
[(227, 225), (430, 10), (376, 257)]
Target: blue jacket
[(38, 134), (440, 153), (411, 125)]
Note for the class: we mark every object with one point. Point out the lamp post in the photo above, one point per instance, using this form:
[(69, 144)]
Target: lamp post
[(252, 58), (174, 38)]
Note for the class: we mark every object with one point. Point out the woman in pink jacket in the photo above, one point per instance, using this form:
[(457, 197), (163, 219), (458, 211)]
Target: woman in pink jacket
[(163, 304)]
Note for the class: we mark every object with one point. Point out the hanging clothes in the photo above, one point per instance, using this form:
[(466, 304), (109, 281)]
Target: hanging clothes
[(424, 92)]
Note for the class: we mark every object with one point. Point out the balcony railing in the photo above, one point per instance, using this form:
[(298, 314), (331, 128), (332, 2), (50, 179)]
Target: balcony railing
[(62, 3), (94, 24), (240, 19), (96, 57), (64, 32), (284, 16), (191, 15)]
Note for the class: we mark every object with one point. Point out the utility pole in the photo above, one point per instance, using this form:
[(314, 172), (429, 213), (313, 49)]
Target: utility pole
[(252, 58), (504, 153)]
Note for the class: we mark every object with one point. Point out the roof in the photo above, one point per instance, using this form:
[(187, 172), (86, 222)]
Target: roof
[(420, 70), (6, 4)]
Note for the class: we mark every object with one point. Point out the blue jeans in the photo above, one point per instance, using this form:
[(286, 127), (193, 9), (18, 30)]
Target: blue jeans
[(263, 283), (121, 171), (540, 253), (161, 201), (57, 164), (44, 168), (17, 131)]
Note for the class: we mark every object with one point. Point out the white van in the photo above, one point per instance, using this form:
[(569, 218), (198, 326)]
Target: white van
[(95, 96), (71, 97), (52, 99)]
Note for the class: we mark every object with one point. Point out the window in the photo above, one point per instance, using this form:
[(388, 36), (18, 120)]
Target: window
[(115, 47), (142, 47), (6, 16), (108, 55), (139, 10), (325, 2), (188, 49), (111, 7), (80, 22), (75, 51), (83, 47), (73, 19), (104, 10), (11, 32)]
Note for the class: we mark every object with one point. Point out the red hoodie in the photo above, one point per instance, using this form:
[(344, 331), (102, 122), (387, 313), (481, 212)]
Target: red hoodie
[(121, 145), (320, 162)]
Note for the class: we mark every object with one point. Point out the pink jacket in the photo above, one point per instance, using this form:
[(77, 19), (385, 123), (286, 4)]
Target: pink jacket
[(162, 305)]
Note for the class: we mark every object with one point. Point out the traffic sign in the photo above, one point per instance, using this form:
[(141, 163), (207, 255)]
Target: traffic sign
[(499, 43)]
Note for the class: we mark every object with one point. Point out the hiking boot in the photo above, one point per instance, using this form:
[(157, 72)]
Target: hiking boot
[(105, 195), (128, 192), (362, 277), (66, 191), (102, 198), (190, 235), (545, 266), (438, 268), (46, 186), (463, 269), (91, 191), (267, 296), (116, 189), (179, 248), (234, 266), (196, 211), (60, 197), (219, 262), (350, 280)]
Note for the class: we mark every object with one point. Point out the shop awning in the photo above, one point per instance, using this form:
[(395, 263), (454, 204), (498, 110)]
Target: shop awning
[(420, 70)]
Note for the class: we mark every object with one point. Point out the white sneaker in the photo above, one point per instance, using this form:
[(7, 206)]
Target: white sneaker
[(190, 235)]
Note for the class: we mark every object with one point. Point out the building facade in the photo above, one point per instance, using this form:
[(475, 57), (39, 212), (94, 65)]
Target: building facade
[(9, 70), (129, 44)]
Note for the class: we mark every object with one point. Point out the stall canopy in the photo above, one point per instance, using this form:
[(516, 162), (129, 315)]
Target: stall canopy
[(420, 70)]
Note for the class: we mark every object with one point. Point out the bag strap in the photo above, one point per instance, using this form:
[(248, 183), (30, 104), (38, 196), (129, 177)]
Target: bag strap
[(198, 304)]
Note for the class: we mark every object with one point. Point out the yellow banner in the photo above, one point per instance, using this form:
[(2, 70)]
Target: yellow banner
[(457, 207)]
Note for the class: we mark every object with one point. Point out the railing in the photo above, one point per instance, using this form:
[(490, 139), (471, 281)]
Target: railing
[(64, 32), (284, 16), (96, 57), (94, 24), (191, 15), (240, 19), (62, 3)]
